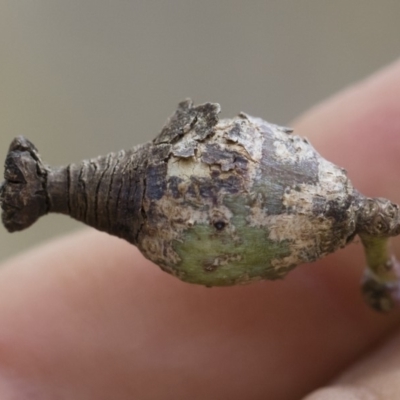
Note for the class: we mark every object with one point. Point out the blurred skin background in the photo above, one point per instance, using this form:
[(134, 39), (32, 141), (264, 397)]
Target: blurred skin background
[(83, 78)]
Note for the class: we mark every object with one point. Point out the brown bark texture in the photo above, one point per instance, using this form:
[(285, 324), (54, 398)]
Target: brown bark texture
[(213, 202)]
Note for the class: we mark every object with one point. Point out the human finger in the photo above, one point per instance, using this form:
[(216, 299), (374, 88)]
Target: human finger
[(93, 297)]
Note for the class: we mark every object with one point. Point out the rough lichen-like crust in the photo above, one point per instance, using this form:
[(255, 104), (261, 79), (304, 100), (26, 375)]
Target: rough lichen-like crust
[(241, 199), (214, 202)]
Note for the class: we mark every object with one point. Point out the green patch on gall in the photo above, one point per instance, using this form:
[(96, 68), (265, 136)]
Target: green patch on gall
[(238, 253)]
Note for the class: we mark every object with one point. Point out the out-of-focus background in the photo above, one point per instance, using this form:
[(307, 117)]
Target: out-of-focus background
[(82, 78)]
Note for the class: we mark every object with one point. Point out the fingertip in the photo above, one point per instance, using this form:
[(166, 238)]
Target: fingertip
[(342, 393), (359, 129)]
